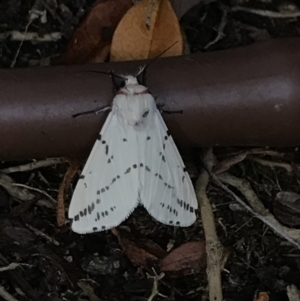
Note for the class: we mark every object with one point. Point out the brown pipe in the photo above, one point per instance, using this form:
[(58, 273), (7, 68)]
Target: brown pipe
[(248, 96)]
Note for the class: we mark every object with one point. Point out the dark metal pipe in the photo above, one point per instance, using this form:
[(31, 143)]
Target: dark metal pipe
[(248, 96)]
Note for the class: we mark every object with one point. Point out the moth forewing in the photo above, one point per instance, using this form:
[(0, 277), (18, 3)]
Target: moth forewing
[(134, 161)]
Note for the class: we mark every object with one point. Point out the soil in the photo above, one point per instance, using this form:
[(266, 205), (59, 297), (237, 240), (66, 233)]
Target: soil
[(58, 264)]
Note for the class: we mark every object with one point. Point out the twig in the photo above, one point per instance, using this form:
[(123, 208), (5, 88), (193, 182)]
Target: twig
[(30, 36), (291, 235), (214, 248), (220, 33), (155, 291), (20, 45), (38, 232), (33, 165), (5, 295), (267, 13), (13, 266), (272, 164), (37, 190), (7, 183)]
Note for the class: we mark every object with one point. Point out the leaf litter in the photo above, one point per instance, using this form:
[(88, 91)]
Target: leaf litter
[(55, 254)]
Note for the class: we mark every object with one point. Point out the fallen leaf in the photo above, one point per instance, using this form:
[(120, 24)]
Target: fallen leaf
[(88, 290), (14, 191), (293, 292), (64, 186), (262, 296), (146, 30), (92, 38), (229, 162), (189, 258), (286, 208), (137, 255)]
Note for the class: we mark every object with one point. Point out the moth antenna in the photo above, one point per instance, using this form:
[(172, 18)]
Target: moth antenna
[(141, 76)]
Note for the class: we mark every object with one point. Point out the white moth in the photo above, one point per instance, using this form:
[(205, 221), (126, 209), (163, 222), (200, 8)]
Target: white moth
[(134, 161)]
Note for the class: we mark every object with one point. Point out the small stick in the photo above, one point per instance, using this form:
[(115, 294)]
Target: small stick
[(291, 235), (37, 190), (155, 291), (38, 232), (5, 295), (267, 13), (13, 266), (214, 249), (33, 165)]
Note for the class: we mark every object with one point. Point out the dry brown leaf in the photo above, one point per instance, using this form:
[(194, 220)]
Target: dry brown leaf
[(92, 38), (262, 296), (64, 186), (137, 255), (132, 39), (187, 259), (229, 162)]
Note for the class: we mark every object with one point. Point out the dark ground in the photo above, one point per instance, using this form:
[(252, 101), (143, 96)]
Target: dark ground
[(259, 260)]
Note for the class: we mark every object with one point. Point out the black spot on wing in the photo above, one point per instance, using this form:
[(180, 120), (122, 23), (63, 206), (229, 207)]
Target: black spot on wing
[(184, 169), (147, 168), (124, 140), (91, 208), (145, 114), (127, 171), (134, 166), (82, 177), (106, 149), (99, 137), (148, 138), (103, 142), (95, 229), (163, 158)]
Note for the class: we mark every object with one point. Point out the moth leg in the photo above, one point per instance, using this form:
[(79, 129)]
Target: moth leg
[(95, 111)]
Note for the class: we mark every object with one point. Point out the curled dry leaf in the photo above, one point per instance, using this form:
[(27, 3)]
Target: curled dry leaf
[(92, 38), (187, 259), (262, 296), (229, 162), (14, 191), (64, 186), (136, 254), (286, 208), (146, 30)]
